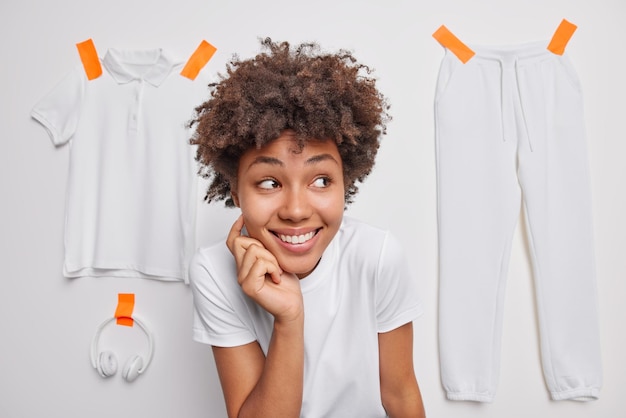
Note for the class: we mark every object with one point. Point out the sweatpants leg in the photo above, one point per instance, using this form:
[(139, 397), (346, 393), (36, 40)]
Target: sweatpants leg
[(508, 118), (557, 198)]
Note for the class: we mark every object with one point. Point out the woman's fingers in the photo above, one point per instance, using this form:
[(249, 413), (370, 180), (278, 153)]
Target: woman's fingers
[(234, 233), (248, 252), (257, 261), (257, 277), (260, 276)]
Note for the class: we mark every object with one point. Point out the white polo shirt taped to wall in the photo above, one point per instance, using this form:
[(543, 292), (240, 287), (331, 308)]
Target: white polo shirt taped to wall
[(132, 182)]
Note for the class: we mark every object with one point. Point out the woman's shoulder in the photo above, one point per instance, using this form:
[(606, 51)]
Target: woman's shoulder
[(368, 241), (352, 228), (211, 253), (213, 260)]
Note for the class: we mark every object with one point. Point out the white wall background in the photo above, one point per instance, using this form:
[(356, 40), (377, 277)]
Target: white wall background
[(47, 321)]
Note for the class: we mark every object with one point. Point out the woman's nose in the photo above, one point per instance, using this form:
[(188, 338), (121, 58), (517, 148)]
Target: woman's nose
[(295, 205)]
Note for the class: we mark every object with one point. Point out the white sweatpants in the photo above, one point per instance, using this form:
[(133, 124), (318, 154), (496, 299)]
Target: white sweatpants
[(510, 130)]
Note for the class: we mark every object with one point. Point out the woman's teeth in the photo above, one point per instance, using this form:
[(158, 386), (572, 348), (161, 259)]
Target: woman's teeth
[(297, 239)]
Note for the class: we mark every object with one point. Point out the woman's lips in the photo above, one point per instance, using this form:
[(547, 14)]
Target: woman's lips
[(297, 241)]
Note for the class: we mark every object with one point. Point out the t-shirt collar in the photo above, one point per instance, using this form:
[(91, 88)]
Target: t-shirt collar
[(125, 65), (324, 269)]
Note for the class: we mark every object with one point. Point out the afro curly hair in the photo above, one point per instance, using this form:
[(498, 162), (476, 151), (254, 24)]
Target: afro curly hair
[(316, 95)]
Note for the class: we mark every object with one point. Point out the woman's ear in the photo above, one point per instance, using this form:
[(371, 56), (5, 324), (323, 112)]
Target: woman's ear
[(235, 198)]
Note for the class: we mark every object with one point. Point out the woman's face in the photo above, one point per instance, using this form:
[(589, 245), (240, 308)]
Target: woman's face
[(292, 200)]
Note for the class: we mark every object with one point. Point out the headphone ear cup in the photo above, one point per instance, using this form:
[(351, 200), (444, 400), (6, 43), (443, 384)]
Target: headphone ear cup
[(132, 368), (107, 364)]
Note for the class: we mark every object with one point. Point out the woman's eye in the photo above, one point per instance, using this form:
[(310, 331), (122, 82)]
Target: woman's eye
[(321, 182), (268, 184)]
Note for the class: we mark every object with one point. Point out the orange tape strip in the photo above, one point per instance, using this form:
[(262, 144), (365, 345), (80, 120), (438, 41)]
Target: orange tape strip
[(454, 44), (89, 57), (124, 310), (198, 60), (561, 37)]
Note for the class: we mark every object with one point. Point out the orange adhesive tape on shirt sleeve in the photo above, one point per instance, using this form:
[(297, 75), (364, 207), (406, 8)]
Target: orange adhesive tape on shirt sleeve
[(561, 37), (454, 44), (198, 60), (89, 57), (124, 310)]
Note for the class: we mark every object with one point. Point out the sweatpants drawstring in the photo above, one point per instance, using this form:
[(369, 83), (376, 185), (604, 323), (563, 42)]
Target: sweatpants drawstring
[(517, 96)]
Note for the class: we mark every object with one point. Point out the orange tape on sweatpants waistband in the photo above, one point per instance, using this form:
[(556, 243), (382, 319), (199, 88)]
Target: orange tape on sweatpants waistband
[(561, 37), (454, 44), (124, 310), (198, 60), (89, 58)]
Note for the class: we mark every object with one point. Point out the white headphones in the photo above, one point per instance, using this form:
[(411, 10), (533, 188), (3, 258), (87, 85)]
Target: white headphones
[(105, 362)]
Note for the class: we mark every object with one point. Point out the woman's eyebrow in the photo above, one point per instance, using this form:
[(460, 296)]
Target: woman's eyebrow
[(262, 159), (321, 157)]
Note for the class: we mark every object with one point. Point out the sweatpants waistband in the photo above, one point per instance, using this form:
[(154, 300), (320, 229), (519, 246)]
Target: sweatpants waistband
[(512, 55)]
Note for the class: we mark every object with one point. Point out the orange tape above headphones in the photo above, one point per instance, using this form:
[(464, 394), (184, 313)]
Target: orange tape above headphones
[(124, 310)]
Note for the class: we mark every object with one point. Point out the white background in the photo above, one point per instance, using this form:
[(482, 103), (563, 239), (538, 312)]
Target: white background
[(47, 321)]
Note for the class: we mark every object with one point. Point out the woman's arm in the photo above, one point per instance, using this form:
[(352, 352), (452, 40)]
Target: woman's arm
[(399, 390), (255, 386)]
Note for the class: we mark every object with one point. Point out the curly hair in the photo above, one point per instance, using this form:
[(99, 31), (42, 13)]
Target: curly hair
[(316, 95)]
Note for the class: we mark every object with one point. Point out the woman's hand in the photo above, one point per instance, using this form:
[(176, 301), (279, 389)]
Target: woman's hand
[(262, 279)]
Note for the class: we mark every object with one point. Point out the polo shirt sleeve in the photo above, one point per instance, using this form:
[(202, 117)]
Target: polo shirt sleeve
[(397, 298), (218, 312), (59, 110)]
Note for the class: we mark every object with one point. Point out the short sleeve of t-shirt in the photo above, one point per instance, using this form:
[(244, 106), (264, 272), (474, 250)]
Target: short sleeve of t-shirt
[(216, 304), (397, 300), (59, 110)]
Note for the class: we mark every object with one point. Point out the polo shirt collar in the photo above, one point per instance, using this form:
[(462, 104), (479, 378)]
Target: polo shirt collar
[(121, 65)]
